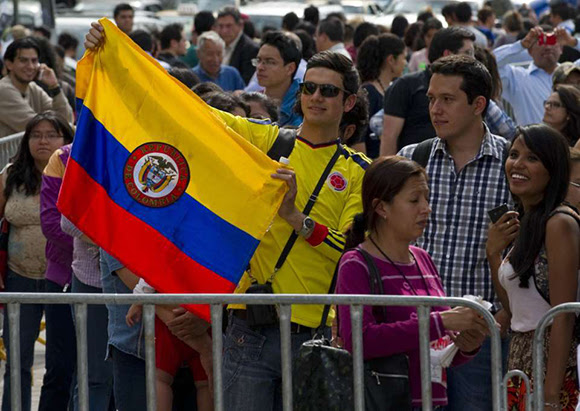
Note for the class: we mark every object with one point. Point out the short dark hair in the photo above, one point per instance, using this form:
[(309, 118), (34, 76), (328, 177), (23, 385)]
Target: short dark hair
[(265, 101), (312, 15), (289, 21), (357, 116), (225, 102), (431, 24), (333, 28), (203, 21), (337, 15), (450, 38), (230, 11), (307, 26), (24, 43), (463, 12), (142, 39), (336, 62), (170, 32), (44, 30), (563, 10), (122, 7), (399, 25), (425, 15), (308, 46), (484, 13), (206, 87), (249, 29), (285, 45), (513, 21), (67, 41), (476, 79), (449, 10), (185, 75), (362, 31), (374, 51)]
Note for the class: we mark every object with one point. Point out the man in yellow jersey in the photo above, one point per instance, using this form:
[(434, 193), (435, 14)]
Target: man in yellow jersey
[(252, 369)]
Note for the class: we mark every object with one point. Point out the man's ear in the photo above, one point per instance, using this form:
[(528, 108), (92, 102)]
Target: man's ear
[(290, 68), (349, 103), (479, 105)]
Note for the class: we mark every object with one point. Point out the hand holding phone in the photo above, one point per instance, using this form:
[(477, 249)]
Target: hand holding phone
[(496, 213)]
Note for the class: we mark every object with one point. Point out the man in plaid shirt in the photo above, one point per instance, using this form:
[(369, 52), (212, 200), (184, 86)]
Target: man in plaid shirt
[(466, 179)]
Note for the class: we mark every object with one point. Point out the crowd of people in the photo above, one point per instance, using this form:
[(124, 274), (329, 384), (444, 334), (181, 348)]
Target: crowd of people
[(424, 129)]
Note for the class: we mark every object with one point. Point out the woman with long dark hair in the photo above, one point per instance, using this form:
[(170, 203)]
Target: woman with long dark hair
[(395, 212), (20, 205), (541, 267), (381, 59), (562, 111)]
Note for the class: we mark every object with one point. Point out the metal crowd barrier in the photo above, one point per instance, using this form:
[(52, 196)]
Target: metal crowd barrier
[(9, 147), (216, 301), (538, 357)]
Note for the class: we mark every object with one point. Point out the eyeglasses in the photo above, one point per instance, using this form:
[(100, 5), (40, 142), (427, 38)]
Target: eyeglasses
[(326, 90), (48, 136), (267, 62), (575, 184), (552, 104)]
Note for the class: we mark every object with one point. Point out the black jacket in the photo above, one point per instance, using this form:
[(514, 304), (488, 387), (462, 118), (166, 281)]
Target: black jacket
[(242, 56)]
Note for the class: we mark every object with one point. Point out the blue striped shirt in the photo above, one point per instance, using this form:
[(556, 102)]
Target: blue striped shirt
[(457, 231)]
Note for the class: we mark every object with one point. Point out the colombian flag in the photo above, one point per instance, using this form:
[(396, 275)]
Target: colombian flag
[(160, 182)]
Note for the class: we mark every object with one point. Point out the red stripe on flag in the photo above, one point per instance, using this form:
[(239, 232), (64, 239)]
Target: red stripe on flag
[(133, 242)]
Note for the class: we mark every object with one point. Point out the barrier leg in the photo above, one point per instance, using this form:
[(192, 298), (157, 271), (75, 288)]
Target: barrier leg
[(14, 325), (426, 395), (356, 314), (149, 321), (286, 351), (217, 355), (82, 357)]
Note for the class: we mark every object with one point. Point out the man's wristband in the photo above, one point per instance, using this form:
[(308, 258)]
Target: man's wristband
[(52, 92)]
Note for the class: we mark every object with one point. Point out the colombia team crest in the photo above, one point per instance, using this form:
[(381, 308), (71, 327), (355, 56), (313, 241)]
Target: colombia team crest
[(156, 174), (337, 182)]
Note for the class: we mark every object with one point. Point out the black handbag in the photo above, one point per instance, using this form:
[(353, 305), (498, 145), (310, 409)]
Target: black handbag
[(386, 379)]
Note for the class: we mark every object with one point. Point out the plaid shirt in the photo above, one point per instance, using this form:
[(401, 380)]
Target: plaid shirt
[(457, 231)]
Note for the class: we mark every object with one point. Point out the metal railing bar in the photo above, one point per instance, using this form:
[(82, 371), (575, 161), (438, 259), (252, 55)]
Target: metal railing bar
[(285, 314), (14, 328), (506, 378), (149, 324), (80, 311), (217, 350), (356, 317), (424, 353)]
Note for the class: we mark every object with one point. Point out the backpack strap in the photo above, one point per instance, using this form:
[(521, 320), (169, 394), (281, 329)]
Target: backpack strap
[(283, 145), (423, 151), (375, 280)]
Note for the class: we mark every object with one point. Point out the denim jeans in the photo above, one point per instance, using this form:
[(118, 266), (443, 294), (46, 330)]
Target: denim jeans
[(60, 354), (469, 385), (252, 371), (100, 371), (30, 316)]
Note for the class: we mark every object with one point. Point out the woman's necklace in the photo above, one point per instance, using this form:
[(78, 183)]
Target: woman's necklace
[(381, 84), (401, 271)]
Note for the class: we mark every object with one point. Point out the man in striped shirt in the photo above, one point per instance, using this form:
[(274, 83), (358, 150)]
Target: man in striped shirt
[(466, 179)]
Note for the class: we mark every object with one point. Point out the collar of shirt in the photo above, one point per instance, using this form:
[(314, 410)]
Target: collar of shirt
[(489, 146), (206, 74), (532, 68), (229, 50), (337, 47)]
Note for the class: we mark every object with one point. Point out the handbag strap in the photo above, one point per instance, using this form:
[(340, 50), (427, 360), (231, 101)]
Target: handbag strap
[(307, 209), (375, 280)]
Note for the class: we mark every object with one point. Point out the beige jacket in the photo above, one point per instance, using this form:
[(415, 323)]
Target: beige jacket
[(17, 110)]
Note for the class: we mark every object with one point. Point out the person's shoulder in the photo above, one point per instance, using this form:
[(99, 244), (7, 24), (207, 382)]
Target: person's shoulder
[(408, 151), (247, 43), (6, 86), (352, 256), (360, 162)]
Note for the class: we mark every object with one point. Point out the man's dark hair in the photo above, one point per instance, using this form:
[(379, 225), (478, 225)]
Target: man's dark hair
[(203, 21), (484, 13), (225, 102), (333, 28), (230, 11), (476, 79), (312, 15), (67, 41), (513, 21), (122, 7), (563, 10), (337, 15), (185, 75), (425, 15), (249, 29), (373, 53), (431, 24), (335, 62), (357, 116), (449, 10), (413, 38), (265, 101), (308, 46), (307, 27), (289, 21), (450, 38), (142, 39), (170, 32), (44, 30), (362, 31), (399, 25), (25, 43), (204, 88), (463, 12), (285, 45)]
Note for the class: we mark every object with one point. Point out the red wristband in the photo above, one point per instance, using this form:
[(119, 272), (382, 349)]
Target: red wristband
[(318, 235)]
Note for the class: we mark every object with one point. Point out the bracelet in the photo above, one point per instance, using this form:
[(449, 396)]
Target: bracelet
[(555, 405), (53, 92)]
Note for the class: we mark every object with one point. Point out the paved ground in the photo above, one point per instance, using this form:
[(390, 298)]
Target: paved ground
[(37, 374)]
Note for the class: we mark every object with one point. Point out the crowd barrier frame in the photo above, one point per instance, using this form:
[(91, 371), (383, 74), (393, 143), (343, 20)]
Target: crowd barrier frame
[(216, 302), (9, 147)]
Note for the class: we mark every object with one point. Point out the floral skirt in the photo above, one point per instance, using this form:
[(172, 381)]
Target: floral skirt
[(520, 358)]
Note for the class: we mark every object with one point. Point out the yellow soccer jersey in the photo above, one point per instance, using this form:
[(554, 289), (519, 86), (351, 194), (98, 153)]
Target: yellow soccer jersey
[(310, 264)]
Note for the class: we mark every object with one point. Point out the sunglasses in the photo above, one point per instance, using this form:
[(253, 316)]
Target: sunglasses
[(326, 90)]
